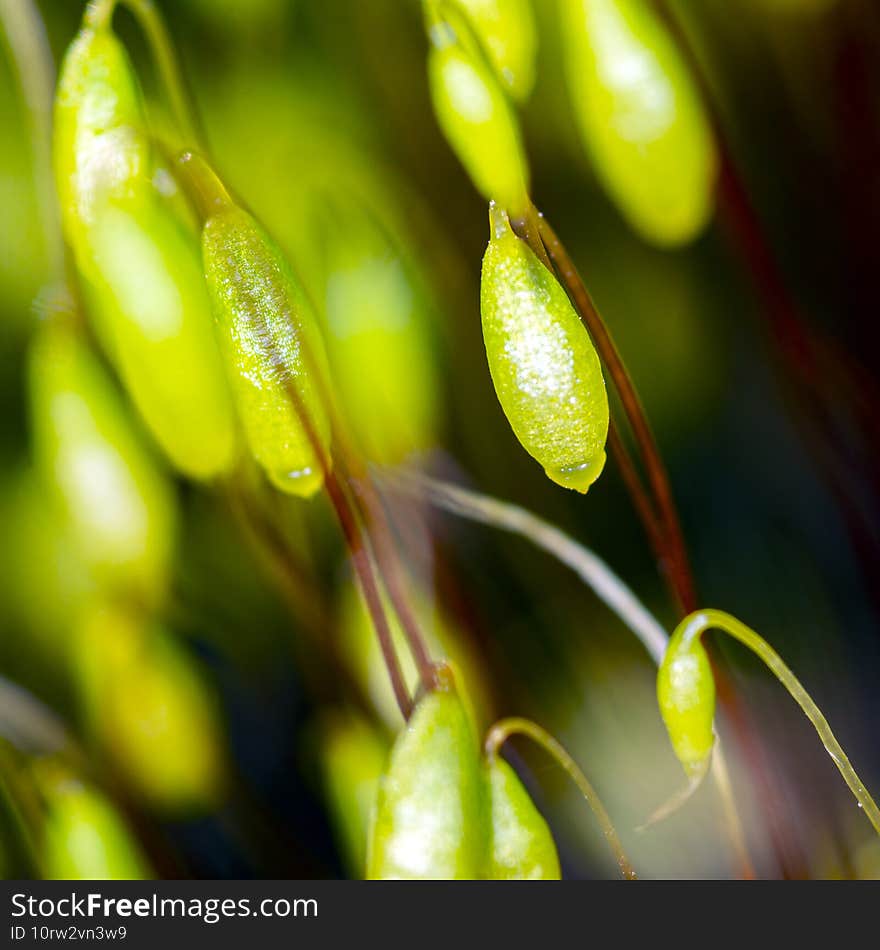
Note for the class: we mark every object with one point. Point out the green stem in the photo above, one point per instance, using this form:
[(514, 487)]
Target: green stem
[(98, 16), (694, 626), (505, 728)]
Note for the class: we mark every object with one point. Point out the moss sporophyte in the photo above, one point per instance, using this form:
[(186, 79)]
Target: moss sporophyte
[(138, 257)]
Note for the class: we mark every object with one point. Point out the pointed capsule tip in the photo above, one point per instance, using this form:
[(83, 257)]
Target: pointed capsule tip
[(499, 221), (578, 477)]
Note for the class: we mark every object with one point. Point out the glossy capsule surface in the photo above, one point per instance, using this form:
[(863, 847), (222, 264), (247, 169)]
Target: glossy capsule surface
[(543, 364), (273, 350)]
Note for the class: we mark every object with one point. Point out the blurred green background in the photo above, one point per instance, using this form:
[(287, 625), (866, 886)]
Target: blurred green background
[(765, 409)]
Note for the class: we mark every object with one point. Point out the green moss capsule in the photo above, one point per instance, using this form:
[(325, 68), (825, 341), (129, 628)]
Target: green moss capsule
[(686, 694), (507, 28), (477, 120), (150, 710), (273, 350), (83, 836), (431, 813), (544, 367), (353, 756), (522, 847), (117, 503), (139, 262), (378, 339), (641, 117)]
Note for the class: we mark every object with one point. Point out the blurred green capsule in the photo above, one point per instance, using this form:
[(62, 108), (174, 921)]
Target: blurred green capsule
[(507, 28), (119, 506), (544, 367), (139, 262), (273, 349), (477, 119), (150, 710), (641, 117), (686, 695), (84, 837), (431, 811), (522, 848), (353, 757), (377, 336)]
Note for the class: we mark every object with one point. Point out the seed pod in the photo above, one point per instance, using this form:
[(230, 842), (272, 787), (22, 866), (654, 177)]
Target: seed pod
[(544, 367), (686, 694), (377, 335), (641, 117), (139, 262), (149, 709), (522, 847), (431, 813), (273, 350), (353, 757), (507, 28), (477, 120), (84, 837), (118, 505)]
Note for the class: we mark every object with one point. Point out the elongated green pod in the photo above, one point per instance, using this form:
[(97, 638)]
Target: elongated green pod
[(431, 810), (477, 119), (522, 847), (686, 695), (641, 117), (149, 709), (376, 326), (139, 262), (273, 349), (84, 837), (119, 506), (507, 28), (544, 367), (353, 755)]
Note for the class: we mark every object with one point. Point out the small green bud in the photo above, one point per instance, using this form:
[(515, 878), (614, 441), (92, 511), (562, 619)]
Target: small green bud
[(83, 837), (140, 265), (544, 367), (150, 710), (431, 813), (273, 350), (641, 117), (686, 694), (477, 120), (522, 846), (507, 28), (118, 504)]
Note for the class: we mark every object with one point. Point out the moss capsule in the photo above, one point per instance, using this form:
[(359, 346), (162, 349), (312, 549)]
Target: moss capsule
[(507, 28), (138, 260), (431, 814), (544, 367), (273, 350), (522, 847), (686, 694), (477, 120), (641, 117), (378, 338), (353, 756), (150, 710), (117, 503), (83, 836)]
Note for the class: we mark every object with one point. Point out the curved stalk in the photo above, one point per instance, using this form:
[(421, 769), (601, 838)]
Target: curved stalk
[(99, 14), (694, 626), (505, 728)]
